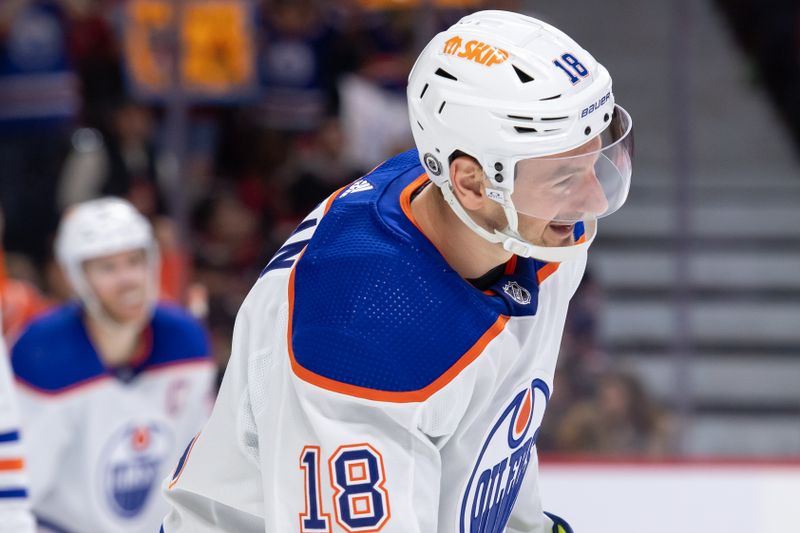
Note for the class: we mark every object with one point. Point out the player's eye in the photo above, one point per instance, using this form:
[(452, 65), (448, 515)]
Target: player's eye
[(107, 267), (563, 181), (136, 260)]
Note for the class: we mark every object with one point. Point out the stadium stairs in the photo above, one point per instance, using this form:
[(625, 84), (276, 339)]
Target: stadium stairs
[(742, 275)]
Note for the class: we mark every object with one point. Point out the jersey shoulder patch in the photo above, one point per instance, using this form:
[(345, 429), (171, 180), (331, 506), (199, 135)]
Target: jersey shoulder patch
[(54, 353), (376, 312)]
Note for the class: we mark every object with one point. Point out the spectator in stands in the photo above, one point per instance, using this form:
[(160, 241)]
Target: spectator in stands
[(620, 419), (39, 102), (96, 53), (296, 65), (120, 159), (231, 244), (319, 167), (372, 92)]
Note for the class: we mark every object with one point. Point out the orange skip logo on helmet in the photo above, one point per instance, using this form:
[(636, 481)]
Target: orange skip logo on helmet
[(477, 51)]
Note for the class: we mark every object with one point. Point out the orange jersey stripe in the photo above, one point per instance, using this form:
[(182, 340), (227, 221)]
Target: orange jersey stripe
[(8, 465), (405, 198), (332, 197), (545, 272), (405, 205), (511, 265)]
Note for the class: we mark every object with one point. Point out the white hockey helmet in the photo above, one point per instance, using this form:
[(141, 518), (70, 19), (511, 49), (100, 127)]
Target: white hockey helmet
[(98, 228), (517, 94)]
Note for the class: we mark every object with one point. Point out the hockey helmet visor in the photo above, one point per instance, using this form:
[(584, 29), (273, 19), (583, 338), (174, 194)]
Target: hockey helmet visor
[(582, 184)]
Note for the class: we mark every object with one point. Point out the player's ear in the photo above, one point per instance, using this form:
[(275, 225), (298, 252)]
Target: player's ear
[(468, 181)]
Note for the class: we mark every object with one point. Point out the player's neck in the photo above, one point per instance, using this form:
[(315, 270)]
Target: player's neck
[(116, 344), (465, 251)]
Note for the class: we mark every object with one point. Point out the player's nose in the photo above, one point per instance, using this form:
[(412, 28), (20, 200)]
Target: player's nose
[(130, 276), (591, 195)]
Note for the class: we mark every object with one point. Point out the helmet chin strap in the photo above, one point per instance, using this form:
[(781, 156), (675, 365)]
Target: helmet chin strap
[(510, 238)]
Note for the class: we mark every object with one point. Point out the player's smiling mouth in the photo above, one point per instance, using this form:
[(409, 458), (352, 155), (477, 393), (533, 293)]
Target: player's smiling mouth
[(562, 230)]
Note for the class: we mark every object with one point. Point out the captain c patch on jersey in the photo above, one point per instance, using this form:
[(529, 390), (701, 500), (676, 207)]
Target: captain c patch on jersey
[(501, 465)]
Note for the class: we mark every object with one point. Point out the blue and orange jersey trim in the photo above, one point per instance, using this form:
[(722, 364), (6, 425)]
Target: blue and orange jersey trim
[(9, 436), (14, 464), (376, 312), (407, 394), (545, 270), (367, 393), (16, 493), (55, 355), (176, 476), (11, 465)]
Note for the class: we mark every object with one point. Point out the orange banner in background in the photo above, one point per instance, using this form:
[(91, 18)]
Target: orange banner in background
[(407, 4), (216, 43)]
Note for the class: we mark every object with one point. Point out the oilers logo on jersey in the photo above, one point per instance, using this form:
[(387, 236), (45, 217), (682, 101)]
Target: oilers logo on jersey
[(496, 479), (131, 466)]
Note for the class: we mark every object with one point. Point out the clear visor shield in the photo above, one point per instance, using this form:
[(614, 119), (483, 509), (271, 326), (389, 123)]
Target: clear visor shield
[(583, 184)]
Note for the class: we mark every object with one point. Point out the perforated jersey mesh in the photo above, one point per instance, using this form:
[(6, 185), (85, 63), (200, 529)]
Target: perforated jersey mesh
[(246, 429), (375, 306)]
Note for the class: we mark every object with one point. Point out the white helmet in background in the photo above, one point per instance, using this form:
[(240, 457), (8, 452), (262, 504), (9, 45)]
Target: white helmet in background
[(103, 227), (514, 92)]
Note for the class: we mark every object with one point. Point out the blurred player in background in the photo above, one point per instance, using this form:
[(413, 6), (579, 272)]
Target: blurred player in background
[(111, 387), (391, 367), (15, 515)]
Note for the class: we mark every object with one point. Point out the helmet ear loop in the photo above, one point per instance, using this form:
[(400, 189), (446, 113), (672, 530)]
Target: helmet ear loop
[(154, 275), (512, 218), (85, 292), (510, 237), (511, 214), (461, 213)]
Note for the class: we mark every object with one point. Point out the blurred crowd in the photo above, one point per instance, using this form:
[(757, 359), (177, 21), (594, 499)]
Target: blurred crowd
[(329, 105), (600, 408)]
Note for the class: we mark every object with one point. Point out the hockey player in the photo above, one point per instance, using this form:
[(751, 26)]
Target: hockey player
[(112, 387), (392, 365), (15, 515)]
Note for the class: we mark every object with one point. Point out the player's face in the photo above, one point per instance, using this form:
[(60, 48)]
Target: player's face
[(552, 193), (119, 282)]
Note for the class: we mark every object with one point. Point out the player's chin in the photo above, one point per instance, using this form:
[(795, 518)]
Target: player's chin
[(128, 314)]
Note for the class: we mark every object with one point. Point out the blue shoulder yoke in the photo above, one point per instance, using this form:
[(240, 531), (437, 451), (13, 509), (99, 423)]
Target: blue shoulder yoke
[(375, 304), (55, 353)]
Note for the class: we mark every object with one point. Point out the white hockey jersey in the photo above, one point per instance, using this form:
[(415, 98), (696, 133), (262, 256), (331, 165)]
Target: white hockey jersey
[(99, 442), (15, 514), (372, 389)]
